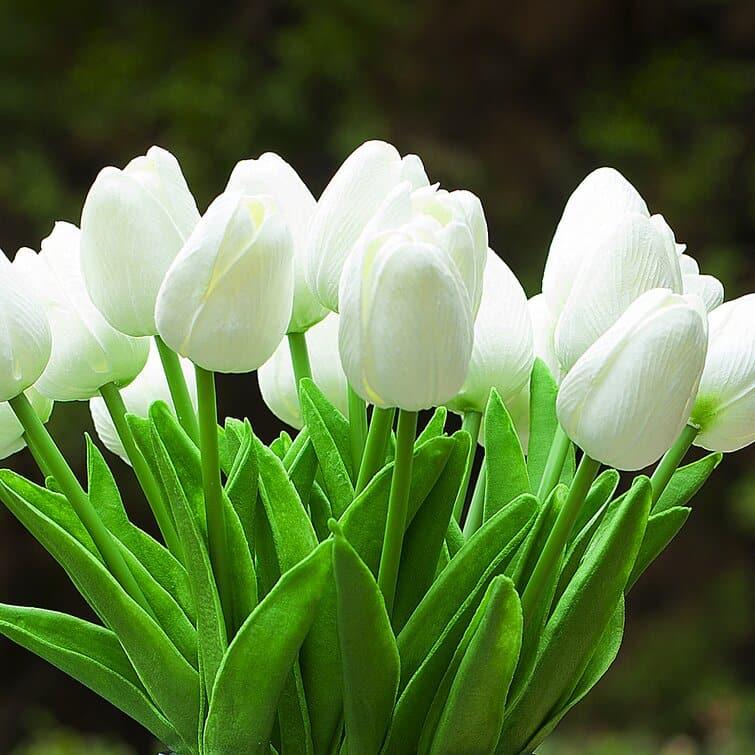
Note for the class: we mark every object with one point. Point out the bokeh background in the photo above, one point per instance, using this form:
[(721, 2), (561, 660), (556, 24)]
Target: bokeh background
[(515, 101)]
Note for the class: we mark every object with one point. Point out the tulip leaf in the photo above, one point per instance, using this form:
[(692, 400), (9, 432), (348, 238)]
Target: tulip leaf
[(454, 538), (329, 431), (302, 471), (293, 716), (434, 427), (581, 616), (281, 445), (601, 492), (543, 424), (369, 655), (241, 486), (472, 718), (168, 678), (686, 482), (320, 512), (93, 656), (266, 559), (425, 535), (506, 470), (259, 660)]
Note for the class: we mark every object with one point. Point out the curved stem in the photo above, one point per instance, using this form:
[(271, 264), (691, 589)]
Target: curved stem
[(179, 391), (398, 501), (477, 506), (117, 409), (357, 428), (376, 446), (297, 345), (554, 463), (471, 423), (78, 499), (671, 461)]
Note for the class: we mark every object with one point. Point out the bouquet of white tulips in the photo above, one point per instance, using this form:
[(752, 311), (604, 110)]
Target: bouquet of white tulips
[(358, 588)]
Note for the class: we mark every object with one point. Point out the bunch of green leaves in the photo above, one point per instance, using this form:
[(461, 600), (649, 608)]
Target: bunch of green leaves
[(309, 660)]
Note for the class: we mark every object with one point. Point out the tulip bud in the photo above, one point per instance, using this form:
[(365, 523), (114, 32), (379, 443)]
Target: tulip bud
[(272, 176), (629, 395), (707, 287), (133, 224), (25, 340), (87, 352), (351, 198), (543, 331), (276, 376), (725, 406), (149, 386), (503, 351), (407, 328), (226, 300), (11, 432)]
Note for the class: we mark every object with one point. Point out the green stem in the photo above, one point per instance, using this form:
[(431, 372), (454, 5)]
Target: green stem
[(671, 461), (357, 428), (78, 499), (40, 462), (179, 391), (376, 446), (477, 506), (117, 409), (559, 535), (297, 345), (554, 463), (471, 423), (398, 502), (213, 488)]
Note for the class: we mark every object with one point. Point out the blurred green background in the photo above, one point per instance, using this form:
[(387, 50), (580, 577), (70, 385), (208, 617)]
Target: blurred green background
[(515, 101)]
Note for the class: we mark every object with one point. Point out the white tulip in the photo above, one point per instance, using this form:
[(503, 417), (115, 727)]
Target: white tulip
[(87, 352), (725, 406), (226, 300), (629, 396), (276, 376), (707, 287), (271, 175), (349, 201), (149, 386), (503, 349), (11, 432), (25, 340), (543, 332), (407, 329), (133, 224)]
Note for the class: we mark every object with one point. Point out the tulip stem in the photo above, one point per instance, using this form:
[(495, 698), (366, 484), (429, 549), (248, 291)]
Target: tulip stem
[(398, 502), (213, 488), (179, 390), (40, 462), (477, 506), (671, 461), (471, 423), (376, 446), (357, 428), (117, 409), (297, 345), (79, 500), (559, 535), (559, 449)]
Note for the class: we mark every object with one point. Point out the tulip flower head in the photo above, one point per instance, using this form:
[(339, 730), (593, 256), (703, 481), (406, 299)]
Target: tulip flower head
[(226, 300), (276, 376), (502, 356), (407, 328), (707, 287), (543, 332), (25, 339), (629, 395), (347, 204), (87, 352), (725, 406), (272, 176), (133, 224), (11, 432)]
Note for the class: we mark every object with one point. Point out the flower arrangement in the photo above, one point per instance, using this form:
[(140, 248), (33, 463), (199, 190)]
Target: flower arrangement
[(357, 589)]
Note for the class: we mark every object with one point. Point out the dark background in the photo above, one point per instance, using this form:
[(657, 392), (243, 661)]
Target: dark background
[(515, 101)]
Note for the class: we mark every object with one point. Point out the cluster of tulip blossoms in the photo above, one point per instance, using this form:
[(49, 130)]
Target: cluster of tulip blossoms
[(357, 589)]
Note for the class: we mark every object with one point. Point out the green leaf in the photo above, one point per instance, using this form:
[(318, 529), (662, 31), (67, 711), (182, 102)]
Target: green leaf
[(320, 512), (661, 530), (169, 679), (369, 654), (507, 476), (281, 445), (425, 535), (90, 654), (472, 718), (601, 492), (543, 424), (241, 487), (293, 717), (302, 471), (435, 426), (455, 539), (259, 660), (686, 482), (580, 617)]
